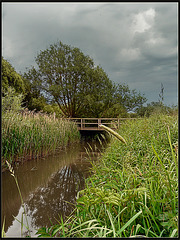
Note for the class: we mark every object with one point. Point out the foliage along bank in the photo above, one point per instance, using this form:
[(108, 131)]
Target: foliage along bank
[(28, 135)]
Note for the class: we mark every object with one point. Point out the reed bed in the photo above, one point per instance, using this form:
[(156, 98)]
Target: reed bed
[(27, 136), (134, 189)]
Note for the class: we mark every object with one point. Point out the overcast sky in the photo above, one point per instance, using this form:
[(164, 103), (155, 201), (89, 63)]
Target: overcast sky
[(135, 43)]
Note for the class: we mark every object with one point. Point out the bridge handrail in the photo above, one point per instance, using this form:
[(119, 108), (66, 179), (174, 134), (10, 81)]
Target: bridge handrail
[(100, 118), (82, 123)]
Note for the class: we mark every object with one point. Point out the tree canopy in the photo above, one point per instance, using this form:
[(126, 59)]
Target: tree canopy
[(67, 77)]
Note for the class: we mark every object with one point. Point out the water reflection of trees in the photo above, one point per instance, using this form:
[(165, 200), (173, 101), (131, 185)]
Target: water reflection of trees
[(46, 189), (53, 200)]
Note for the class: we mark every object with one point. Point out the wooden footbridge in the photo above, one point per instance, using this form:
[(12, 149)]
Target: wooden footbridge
[(93, 124)]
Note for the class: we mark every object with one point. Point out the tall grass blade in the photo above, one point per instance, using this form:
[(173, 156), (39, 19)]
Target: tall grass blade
[(129, 222), (111, 220), (3, 232), (173, 155), (173, 233), (22, 224)]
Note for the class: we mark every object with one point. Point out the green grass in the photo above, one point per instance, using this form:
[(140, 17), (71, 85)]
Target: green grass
[(31, 136), (134, 188)]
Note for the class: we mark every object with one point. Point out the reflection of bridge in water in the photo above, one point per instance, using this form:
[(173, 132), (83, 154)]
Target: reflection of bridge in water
[(93, 124)]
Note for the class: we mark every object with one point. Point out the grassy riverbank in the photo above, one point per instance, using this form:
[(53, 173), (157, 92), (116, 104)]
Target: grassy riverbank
[(34, 135), (134, 188)]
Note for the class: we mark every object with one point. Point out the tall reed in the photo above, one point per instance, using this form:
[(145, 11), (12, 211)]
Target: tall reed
[(33, 135)]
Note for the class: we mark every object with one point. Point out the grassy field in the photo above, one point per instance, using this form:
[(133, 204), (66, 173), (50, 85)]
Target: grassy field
[(134, 189), (34, 135)]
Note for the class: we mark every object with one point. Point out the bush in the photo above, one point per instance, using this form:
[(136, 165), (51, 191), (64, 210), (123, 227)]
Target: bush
[(11, 101)]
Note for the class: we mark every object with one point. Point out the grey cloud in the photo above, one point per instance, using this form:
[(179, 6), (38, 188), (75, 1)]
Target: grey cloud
[(142, 60)]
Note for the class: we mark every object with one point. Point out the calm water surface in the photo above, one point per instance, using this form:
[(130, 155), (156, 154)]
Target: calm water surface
[(49, 188)]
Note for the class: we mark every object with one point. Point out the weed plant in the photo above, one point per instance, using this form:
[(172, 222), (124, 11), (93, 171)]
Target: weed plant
[(134, 189), (34, 135)]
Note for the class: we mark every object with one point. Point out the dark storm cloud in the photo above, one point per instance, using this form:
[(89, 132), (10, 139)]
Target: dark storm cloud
[(135, 43)]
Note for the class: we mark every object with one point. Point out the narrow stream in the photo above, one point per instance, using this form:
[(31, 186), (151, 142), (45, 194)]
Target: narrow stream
[(48, 186)]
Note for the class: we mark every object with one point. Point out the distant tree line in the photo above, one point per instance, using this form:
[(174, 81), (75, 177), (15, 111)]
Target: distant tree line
[(68, 83)]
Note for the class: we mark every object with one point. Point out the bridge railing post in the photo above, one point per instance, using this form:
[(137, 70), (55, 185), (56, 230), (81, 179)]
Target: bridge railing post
[(81, 123), (99, 122)]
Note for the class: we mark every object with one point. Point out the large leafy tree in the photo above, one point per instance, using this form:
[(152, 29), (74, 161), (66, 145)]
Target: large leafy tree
[(65, 76), (68, 77)]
